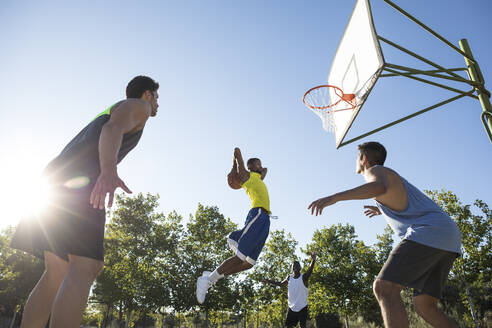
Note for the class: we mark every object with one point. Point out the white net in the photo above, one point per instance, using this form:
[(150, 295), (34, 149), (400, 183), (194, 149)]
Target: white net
[(319, 98), (323, 101), (326, 118)]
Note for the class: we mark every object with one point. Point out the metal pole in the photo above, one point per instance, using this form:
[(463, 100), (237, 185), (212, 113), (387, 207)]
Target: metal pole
[(428, 29), (476, 75), (411, 53), (414, 71), (430, 82), (428, 71)]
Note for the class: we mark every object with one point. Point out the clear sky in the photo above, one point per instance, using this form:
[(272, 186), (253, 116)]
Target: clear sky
[(232, 73)]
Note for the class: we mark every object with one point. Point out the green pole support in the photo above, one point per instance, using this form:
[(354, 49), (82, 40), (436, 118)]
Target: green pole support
[(487, 116), (431, 31), (476, 75), (428, 71), (430, 82), (411, 53), (406, 118)]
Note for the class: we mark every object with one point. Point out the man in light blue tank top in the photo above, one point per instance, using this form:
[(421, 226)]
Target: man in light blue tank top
[(431, 240)]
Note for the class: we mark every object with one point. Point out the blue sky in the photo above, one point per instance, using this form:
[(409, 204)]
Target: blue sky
[(232, 74)]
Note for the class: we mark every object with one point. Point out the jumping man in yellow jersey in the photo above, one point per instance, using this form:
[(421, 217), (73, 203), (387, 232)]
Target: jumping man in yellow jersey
[(248, 242)]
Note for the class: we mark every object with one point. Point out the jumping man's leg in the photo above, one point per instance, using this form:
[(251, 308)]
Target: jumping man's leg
[(40, 301), (71, 299), (246, 244), (233, 265), (230, 266)]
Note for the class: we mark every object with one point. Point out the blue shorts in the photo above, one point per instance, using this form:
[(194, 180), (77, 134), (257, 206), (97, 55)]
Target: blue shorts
[(248, 242)]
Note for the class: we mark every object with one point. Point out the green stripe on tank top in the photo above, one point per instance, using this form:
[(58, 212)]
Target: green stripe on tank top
[(106, 112)]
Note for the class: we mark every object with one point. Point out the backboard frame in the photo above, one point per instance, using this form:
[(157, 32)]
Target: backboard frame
[(475, 77)]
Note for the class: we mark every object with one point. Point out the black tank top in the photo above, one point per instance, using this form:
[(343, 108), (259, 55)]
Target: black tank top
[(80, 158)]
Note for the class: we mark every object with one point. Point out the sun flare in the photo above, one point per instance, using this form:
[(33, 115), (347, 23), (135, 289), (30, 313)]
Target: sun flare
[(24, 193)]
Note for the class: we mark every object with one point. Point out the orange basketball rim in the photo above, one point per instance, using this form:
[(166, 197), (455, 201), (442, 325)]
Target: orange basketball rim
[(320, 98)]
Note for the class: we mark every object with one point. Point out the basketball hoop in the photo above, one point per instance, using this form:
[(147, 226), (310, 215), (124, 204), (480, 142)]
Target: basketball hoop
[(319, 98), (324, 100)]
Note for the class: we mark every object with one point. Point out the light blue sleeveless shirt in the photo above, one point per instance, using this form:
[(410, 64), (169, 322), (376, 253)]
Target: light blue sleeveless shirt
[(423, 221)]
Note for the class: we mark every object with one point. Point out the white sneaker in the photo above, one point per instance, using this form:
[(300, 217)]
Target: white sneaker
[(202, 286)]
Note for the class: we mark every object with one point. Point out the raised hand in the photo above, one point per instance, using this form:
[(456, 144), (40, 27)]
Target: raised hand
[(237, 152), (371, 211)]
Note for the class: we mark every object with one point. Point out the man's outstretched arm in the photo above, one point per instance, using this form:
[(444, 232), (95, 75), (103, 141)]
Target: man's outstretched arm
[(282, 283), (377, 185)]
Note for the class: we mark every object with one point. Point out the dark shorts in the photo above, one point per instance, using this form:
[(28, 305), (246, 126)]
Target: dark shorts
[(248, 242), (296, 317), (423, 268), (68, 225)]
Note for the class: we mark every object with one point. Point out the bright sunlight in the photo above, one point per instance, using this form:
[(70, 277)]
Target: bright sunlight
[(24, 192)]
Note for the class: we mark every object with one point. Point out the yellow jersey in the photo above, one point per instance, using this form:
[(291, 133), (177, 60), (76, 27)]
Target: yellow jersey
[(257, 191)]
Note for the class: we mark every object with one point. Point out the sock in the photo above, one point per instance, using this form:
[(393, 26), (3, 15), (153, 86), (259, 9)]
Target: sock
[(214, 276)]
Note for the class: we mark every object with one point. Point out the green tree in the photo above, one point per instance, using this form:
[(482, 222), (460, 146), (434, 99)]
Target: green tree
[(334, 282), (19, 273), (204, 248), (152, 261), (346, 268), (370, 260), (137, 276), (471, 275)]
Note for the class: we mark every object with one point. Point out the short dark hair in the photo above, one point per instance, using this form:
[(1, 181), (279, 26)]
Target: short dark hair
[(139, 84), (251, 161), (374, 151)]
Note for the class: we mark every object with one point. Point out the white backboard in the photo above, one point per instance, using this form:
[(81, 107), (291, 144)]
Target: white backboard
[(357, 65)]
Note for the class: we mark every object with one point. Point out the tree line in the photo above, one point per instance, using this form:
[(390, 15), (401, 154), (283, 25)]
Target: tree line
[(152, 261)]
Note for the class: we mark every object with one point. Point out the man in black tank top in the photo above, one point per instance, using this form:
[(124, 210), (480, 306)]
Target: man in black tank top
[(69, 234)]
